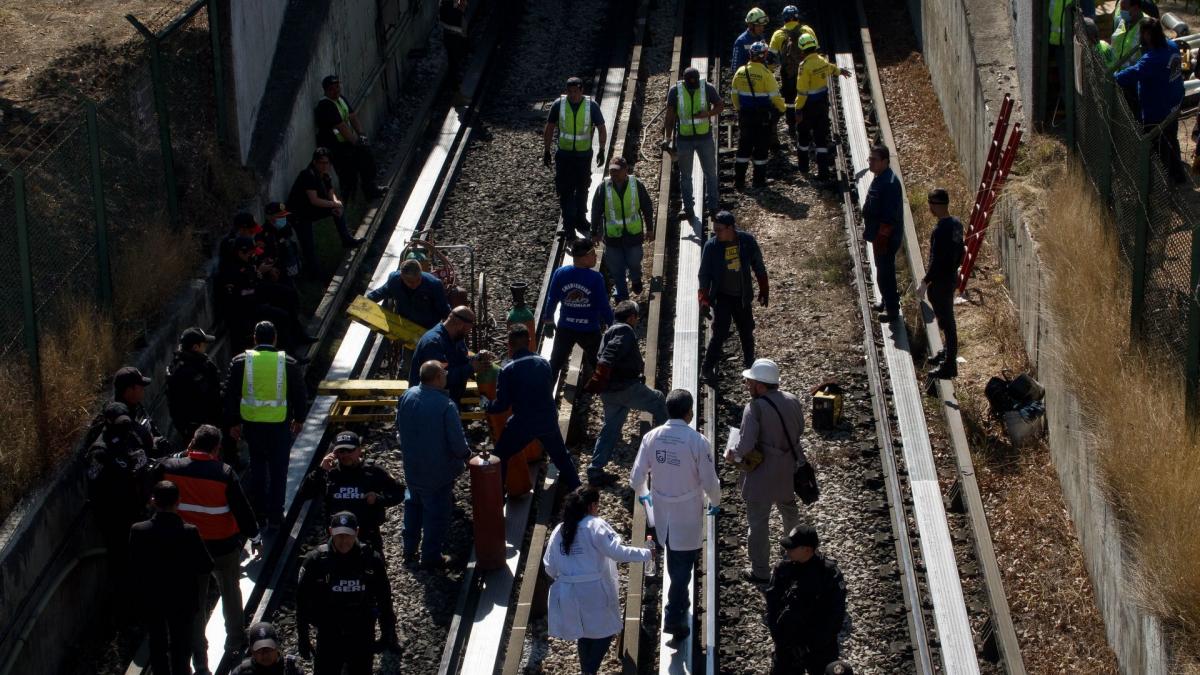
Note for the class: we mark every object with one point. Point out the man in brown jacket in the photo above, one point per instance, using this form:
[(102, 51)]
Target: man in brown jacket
[(772, 424)]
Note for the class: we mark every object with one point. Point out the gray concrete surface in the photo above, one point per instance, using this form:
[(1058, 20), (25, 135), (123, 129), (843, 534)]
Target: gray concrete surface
[(42, 540), (253, 30), (1135, 636)]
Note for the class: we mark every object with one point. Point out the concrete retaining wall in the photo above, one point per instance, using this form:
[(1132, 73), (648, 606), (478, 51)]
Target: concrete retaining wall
[(253, 34), (43, 538), (1135, 636)]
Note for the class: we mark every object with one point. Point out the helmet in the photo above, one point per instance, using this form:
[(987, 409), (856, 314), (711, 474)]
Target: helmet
[(763, 370), (758, 50), (790, 13), (756, 17), (806, 42)]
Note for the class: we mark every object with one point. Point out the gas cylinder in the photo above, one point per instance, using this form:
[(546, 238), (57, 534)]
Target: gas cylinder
[(518, 481), (521, 314), (487, 511)]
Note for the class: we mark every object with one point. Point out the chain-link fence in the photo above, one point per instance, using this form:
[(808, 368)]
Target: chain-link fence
[(1155, 224)]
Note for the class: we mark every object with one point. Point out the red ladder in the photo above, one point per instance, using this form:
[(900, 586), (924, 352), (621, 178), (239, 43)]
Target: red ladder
[(995, 173)]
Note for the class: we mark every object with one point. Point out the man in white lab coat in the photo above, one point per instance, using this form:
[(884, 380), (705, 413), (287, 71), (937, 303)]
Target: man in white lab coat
[(677, 460)]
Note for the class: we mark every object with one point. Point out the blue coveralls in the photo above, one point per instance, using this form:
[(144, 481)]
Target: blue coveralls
[(526, 385), (437, 345)]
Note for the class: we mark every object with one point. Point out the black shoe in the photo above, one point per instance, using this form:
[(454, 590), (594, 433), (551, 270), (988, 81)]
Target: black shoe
[(439, 563), (685, 214), (710, 375), (937, 358), (409, 559), (946, 371), (802, 166), (888, 317), (678, 633), (600, 478), (877, 306), (636, 287), (748, 575), (353, 242)]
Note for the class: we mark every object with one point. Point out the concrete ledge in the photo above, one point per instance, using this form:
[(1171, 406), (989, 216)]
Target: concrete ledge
[(1135, 636)]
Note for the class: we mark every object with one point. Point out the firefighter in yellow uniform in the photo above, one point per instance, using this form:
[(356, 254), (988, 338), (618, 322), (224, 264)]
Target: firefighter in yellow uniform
[(785, 52), (758, 103), (812, 106)]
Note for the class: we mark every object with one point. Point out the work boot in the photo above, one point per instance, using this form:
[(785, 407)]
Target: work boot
[(760, 176), (802, 159), (678, 633), (946, 371), (937, 358), (748, 575), (710, 375), (739, 175), (441, 562)]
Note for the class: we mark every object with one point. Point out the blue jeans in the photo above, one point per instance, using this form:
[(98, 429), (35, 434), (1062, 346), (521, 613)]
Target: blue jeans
[(707, 151), (680, 565), (518, 433), (617, 405), (270, 449), (426, 518), (622, 260), (591, 653)]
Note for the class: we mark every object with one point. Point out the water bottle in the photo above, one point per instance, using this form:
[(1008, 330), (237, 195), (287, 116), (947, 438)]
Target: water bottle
[(651, 567)]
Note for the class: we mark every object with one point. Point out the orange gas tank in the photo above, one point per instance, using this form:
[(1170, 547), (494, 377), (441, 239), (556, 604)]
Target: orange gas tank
[(487, 511)]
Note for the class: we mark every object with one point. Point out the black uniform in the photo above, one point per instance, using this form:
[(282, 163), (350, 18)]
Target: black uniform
[(167, 557), (806, 604), (342, 595), (286, 665), (193, 392), (345, 489), (118, 475), (946, 250)]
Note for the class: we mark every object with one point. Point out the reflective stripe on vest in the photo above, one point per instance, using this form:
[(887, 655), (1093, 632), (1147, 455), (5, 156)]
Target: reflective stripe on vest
[(197, 508), (630, 221), (259, 402), (202, 499), (344, 111), (686, 112), (575, 129)]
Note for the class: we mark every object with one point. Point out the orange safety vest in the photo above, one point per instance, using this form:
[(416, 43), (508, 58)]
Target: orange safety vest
[(202, 500)]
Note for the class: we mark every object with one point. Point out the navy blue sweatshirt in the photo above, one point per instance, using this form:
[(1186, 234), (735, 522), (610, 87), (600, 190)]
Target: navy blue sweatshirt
[(584, 299)]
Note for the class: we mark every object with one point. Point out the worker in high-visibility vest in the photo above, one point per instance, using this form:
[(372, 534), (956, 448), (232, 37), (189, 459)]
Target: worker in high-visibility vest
[(757, 100), (265, 404), (622, 217), (693, 108), (1126, 36), (785, 51), (576, 118), (812, 106)]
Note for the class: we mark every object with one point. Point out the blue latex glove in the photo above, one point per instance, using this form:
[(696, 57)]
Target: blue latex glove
[(645, 500), (713, 510)]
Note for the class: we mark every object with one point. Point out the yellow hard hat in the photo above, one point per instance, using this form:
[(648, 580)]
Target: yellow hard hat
[(755, 17), (806, 41)]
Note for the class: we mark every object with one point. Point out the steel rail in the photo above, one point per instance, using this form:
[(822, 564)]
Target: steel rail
[(1002, 632)]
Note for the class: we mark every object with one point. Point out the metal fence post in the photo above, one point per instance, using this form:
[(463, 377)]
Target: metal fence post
[(29, 311), (214, 30), (1192, 369), (164, 118), (1137, 300), (1068, 53), (1103, 166), (103, 270)]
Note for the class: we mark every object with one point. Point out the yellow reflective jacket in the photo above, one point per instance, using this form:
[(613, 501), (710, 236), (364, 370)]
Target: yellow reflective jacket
[(755, 87), (811, 80)]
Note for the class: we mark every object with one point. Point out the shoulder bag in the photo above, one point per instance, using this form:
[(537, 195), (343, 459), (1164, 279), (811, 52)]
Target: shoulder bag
[(804, 481)]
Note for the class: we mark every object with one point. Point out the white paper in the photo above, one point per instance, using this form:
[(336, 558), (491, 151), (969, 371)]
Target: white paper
[(735, 437)]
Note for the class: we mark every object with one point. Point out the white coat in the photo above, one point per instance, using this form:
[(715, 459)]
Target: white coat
[(583, 598), (678, 461)]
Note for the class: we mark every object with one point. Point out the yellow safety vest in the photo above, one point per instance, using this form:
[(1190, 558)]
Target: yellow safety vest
[(755, 87), (687, 105), (1126, 44), (812, 78), (1058, 13), (575, 128), (630, 221), (264, 387), (344, 111)]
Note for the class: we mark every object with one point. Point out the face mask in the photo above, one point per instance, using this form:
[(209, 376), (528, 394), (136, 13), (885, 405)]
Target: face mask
[(280, 223)]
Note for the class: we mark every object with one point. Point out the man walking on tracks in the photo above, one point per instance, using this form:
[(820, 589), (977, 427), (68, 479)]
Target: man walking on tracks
[(621, 382), (946, 250), (575, 117), (585, 309), (343, 589), (812, 106), (806, 605), (677, 460), (526, 387), (726, 292), (265, 402), (623, 213), (758, 103), (786, 52), (693, 106), (772, 424), (883, 216)]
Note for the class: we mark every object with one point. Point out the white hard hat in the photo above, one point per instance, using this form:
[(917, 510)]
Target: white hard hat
[(763, 370)]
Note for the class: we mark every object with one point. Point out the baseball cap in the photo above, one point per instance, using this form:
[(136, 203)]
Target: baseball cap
[(263, 636), (276, 209), (581, 247), (724, 218), (346, 439), (330, 79), (839, 667), (343, 522), (127, 377), (801, 535), (939, 196), (194, 336), (618, 162)]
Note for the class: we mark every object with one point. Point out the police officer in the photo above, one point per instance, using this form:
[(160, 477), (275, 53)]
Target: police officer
[(129, 389), (343, 590), (806, 605), (264, 404), (758, 103), (265, 657), (193, 384), (623, 215), (727, 261), (575, 117), (118, 476), (692, 105), (883, 228), (946, 250), (812, 106), (526, 386), (347, 482), (417, 295)]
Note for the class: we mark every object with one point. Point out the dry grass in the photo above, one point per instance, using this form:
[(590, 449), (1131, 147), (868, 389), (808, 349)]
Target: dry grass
[(1133, 403), (143, 288)]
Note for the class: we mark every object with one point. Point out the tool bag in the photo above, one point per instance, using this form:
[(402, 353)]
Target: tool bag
[(804, 480), (827, 400)]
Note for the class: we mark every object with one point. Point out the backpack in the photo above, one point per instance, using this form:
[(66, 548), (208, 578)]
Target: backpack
[(790, 57)]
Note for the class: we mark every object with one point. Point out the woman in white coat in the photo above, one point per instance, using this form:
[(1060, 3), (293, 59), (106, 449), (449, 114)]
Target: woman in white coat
[(582, 558)]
